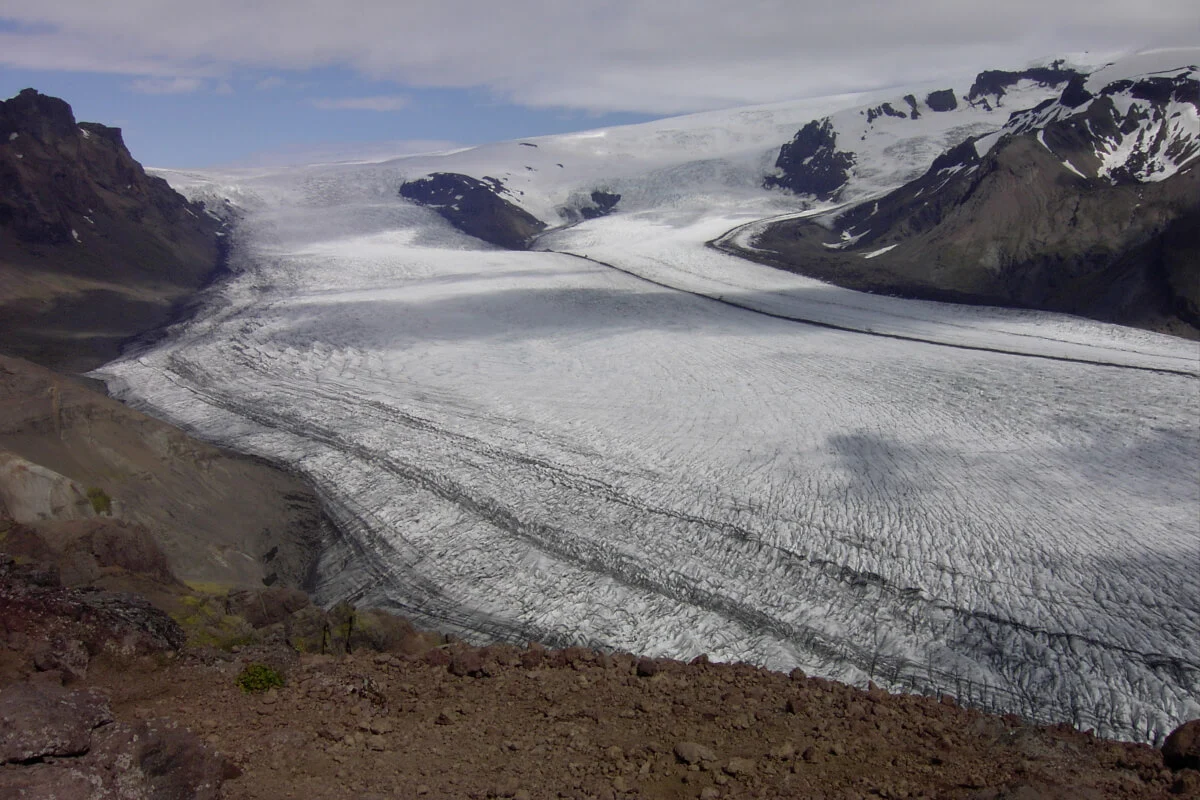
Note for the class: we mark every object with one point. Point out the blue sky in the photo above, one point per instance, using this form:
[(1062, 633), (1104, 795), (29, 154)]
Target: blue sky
[(267, 118), (225, 81)]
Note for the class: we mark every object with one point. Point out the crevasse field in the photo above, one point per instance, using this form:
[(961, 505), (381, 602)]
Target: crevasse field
[(608, 442)]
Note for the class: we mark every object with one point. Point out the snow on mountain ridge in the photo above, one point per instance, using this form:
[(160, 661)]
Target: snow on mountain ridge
[(1143, 128)]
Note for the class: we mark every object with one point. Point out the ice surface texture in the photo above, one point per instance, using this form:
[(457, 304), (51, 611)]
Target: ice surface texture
[(537, 445)]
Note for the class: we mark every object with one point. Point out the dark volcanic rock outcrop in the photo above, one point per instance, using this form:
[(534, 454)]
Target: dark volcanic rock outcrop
[(814, 164), (92, 249), (991, 85), (602, 204), (941, 100), (811, 162), (580, 206), (1088, 205), (48, 628), (884, 110), (476, 208), (65, 745)]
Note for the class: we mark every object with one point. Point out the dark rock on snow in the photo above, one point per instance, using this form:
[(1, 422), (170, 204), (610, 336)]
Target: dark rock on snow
[(603, 204), (811, 163), (941, 100), (1039, 221), (476, 208), (992, 84)]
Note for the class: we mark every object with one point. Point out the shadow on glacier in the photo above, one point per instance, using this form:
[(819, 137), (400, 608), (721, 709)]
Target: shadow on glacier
[(535, 313), (876, 466), (1138, 627)]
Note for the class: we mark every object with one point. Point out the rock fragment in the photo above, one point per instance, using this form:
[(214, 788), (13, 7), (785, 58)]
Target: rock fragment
[(693, 753)]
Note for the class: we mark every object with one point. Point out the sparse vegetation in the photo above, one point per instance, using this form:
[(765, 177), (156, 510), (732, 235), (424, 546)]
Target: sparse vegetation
[(206, 624), (101, 502), (257, 678)]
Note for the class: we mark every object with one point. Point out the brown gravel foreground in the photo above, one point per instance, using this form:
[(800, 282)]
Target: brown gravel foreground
[(460, 722)]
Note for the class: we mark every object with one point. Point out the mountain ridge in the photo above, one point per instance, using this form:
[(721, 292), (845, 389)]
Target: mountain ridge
[(92, 249), (1095, 216)]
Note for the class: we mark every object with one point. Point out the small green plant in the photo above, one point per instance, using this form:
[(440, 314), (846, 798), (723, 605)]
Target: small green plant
[(259, 678), (101, 502)]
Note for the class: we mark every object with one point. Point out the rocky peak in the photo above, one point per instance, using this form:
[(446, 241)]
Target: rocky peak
[(991, 86), (105, 132), (811, 162), (1127, 131), (78, 214), (31, 113)]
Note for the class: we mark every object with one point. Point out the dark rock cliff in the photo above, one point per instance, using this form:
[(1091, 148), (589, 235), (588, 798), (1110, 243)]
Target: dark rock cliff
[(811, 162), (93, 250), (991, 85), (476, 208)]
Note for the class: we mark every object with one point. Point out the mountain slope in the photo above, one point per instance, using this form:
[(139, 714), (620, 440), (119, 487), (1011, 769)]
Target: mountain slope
[(92, 252), (1085, 204), (858, 151), (92, 249)]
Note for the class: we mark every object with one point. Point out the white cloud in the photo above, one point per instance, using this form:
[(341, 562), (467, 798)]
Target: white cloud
[(272, 82), (166, 85), (658, 56), (386, 102)]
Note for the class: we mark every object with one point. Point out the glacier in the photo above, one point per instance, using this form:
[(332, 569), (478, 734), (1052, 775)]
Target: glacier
[(630, 439)]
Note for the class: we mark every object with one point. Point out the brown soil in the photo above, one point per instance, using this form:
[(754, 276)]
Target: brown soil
[(580, 724)]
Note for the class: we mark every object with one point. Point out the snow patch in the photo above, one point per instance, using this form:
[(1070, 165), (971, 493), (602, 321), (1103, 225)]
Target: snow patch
[(1071, 167), (880, 251), (984, 144)]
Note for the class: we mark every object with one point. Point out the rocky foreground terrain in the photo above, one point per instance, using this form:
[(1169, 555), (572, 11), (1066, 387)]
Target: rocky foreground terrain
[(121, 682)]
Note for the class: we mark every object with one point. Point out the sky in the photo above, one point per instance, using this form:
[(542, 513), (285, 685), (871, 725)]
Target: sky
[(196, 84)]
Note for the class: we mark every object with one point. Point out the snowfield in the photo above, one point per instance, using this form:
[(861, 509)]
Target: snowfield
[(627, 439)]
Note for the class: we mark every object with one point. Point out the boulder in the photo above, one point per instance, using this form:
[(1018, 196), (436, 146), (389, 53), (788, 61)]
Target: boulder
[(466, 661), (1181, 750), (38, 720), (693, 753), (165, 761)]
